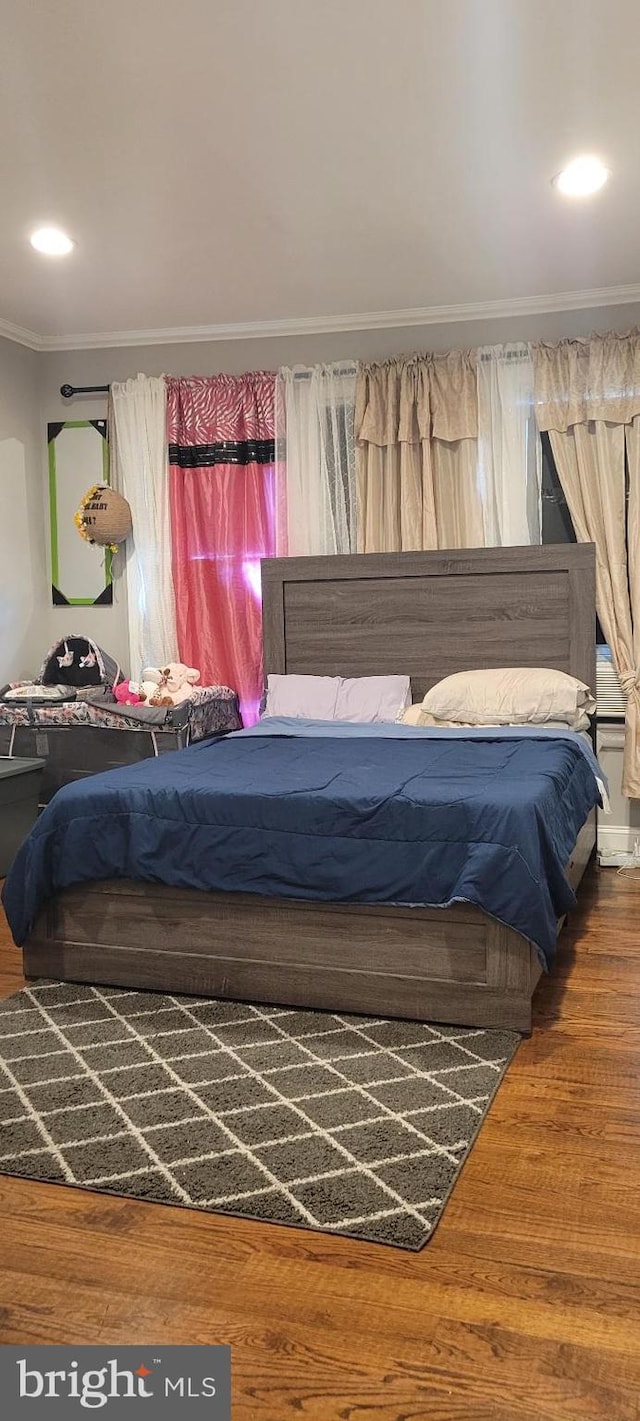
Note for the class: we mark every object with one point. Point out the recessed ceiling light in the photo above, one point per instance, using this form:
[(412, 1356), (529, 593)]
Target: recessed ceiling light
[(52, 242), (582, 177)]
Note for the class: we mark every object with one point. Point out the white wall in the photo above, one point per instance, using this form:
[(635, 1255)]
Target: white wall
[(23, 575), (95, 367)]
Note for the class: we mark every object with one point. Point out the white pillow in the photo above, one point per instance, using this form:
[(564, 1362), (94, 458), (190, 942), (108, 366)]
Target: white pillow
[(354, 698), (309, 697), (372, 698), (509, 696)]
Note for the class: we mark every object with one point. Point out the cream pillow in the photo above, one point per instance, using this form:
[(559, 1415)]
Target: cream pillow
[(509, 696), (416, 715)]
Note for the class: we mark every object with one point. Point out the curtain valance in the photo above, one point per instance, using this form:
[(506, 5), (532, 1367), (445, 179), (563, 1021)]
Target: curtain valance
[(580, 380), (410, 400), (228, 419)]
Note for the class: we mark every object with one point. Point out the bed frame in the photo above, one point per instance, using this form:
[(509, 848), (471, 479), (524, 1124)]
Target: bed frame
[(427, 614)]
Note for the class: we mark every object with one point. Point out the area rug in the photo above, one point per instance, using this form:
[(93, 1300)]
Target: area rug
[(352, 1125)]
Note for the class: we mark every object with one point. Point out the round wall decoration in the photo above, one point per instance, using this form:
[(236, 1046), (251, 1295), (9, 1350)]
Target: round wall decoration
[(104, 517)]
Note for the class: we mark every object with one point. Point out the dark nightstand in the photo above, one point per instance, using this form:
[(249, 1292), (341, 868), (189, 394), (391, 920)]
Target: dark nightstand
[(19, 797)]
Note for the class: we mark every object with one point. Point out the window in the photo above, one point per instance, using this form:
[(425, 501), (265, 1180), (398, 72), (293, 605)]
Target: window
[(557, 526), (556, 518)]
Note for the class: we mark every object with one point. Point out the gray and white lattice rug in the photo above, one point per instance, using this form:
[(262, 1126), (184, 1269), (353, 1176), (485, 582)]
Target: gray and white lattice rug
[(352, 1125)]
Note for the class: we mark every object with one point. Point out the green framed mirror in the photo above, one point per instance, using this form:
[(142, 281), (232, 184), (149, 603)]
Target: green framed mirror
[(78, 458)]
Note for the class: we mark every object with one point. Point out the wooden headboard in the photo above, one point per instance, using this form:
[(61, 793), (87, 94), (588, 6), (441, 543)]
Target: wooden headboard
[(430, 614)]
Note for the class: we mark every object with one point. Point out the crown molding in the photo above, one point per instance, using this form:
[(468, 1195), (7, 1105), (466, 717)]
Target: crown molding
[(329, 325), (20, 335)]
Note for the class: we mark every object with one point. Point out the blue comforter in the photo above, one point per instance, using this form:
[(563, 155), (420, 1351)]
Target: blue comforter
[(376, 814)]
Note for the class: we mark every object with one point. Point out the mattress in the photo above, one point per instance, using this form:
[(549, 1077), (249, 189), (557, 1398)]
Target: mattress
[(339, 813)]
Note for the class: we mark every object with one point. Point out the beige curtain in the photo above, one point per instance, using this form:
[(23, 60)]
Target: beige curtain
[(458, 510), (630, 680), (588, 398), (416, 458)]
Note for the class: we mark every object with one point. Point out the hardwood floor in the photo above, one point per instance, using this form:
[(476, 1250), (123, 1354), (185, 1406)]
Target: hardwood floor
[(524, 1307)]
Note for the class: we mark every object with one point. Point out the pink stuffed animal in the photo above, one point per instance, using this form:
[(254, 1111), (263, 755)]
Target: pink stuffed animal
[(127, 694)]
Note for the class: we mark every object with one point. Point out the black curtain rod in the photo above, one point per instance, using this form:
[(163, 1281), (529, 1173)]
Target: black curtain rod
[(67, 391)]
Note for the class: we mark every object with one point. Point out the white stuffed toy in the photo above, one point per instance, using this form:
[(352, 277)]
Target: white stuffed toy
[(168, 685), (179, 681), (152, 684)]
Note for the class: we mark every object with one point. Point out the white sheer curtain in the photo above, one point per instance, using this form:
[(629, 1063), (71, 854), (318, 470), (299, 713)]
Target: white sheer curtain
[(315, 424), (139, 441), (509, 450)]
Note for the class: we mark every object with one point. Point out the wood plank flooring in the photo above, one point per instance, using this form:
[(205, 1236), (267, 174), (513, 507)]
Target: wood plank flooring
[(524, 1307)]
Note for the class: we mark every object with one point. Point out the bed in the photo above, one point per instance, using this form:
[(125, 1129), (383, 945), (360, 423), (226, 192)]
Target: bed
[(426, 614)]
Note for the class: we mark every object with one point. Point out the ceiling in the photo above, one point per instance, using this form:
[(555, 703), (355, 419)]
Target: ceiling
[(248, 165)]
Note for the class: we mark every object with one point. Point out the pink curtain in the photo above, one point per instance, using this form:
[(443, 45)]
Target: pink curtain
[(223, 521)]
